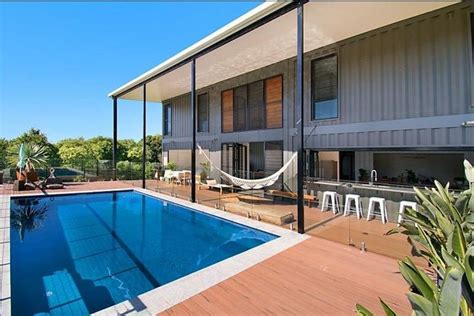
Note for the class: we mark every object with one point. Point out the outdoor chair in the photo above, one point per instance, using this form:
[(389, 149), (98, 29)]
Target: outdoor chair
[(212, 184), (179, 178), (169, 175), (187, 177)]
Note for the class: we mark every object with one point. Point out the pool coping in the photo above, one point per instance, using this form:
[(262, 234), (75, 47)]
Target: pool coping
[(5, 290), (175, 292)]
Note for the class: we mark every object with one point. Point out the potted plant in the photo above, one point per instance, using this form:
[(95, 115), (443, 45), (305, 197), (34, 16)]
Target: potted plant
[(26, 159), (206, 166)]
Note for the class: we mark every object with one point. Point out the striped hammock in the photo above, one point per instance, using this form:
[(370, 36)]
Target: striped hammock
[(248, 184)]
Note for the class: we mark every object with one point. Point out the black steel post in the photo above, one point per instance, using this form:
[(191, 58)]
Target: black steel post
[(299, 105), (114, 149), (144, 137), (193, 116)]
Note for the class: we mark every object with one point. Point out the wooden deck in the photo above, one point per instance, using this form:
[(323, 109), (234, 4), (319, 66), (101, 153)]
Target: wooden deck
[(316, 277)]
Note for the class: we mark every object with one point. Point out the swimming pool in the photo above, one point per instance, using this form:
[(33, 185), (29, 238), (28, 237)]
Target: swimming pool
[(81, 253)]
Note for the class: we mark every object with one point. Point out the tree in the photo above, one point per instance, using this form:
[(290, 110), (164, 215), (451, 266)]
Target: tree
[(32, 136), (153, 149), (3, 153), (123, 147), (100, 147), (134, 153), (74, 150), (153, 152)]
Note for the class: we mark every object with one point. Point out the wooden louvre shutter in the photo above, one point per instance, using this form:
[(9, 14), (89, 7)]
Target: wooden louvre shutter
[(274, 102), (227, 111)]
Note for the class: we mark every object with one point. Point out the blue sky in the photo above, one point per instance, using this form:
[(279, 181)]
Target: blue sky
[(58, 61)]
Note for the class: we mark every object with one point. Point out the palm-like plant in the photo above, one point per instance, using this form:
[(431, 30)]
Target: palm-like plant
[(36, 156), (442, 232)]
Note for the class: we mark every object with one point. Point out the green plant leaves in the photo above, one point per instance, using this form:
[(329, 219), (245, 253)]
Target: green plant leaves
[(418, 279), (456, 242), (362, 311), (388, 311), (449, 301), (469, 267), (441, 230), (422, 306)]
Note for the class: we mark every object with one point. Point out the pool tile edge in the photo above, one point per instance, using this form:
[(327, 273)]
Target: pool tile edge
[(5, 286)]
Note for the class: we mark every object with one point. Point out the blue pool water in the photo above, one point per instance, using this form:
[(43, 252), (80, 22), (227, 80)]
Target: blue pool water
[(77, 254)]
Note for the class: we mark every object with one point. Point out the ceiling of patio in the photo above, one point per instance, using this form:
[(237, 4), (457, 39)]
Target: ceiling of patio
[(325, 23)]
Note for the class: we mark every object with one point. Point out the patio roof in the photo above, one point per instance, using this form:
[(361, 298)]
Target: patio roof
[(325, 23)]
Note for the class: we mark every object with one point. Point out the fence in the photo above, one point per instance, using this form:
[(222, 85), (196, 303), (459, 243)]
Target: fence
[(92, 170)]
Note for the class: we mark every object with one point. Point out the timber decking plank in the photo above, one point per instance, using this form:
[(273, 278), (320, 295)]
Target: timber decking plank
[(316, 276)]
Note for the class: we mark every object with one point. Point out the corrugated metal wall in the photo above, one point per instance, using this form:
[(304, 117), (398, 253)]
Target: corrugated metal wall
[(414, 69), (401, 74)]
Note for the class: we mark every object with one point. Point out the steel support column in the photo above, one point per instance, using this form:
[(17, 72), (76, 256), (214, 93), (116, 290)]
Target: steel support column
[(299, 105), (193, 117), (114, 145), (144, 138)]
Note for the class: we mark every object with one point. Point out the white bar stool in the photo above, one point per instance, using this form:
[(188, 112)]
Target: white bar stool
[(401, 211), (382, 206), (330, 197), (358, 205)]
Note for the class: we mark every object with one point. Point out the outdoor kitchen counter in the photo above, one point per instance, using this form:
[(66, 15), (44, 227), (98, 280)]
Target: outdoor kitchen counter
[(373, 187), (392, 194)]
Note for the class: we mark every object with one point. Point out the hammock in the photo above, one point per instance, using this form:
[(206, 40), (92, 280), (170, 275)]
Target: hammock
[(248, 184)]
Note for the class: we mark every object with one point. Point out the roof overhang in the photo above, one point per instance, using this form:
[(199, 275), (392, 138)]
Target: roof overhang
[(325, 23)]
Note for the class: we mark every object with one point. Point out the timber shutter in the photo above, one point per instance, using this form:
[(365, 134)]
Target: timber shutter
[(274, 102), (228, 111), (253, 106)]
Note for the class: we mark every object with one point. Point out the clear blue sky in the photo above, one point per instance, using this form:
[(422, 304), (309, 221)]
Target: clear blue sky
[(58, 61)]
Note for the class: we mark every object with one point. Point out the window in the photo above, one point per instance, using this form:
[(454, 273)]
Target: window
[(167, 119), (253, 106), (256, 105), (324, 87), (203, 113), (240, 108)]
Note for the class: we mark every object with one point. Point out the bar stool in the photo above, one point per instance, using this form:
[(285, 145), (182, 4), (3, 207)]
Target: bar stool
[(382, 206), (401, 211), (330, 197), (358, 205)]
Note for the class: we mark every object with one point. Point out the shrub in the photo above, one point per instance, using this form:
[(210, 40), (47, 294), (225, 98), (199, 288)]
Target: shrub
[(171, 166)]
